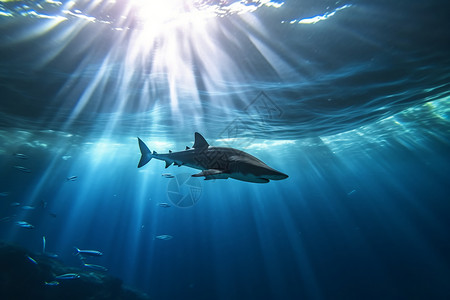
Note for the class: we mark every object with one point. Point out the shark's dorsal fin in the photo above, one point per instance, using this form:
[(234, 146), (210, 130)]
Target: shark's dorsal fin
[(200, 141), (170, 151)]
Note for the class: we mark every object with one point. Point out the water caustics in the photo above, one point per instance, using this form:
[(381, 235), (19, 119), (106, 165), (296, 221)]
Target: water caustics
[(154, 53), (182, 64)]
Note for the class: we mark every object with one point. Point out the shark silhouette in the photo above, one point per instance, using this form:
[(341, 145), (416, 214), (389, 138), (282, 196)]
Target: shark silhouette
[(215, 162)]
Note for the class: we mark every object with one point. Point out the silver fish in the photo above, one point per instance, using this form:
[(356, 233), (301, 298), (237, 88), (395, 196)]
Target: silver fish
[(44, 204), (95, 267), (32, 260), (163, 204), (13, 204), (68, 276), (4, 194), (164, 237), (5, 219), (351, 192), (48, 254), (51, 283), (72, 178), (87, 252), (167, 175), (28, 207), (20, 155), (51, 255), (24, 224), (23, 169)]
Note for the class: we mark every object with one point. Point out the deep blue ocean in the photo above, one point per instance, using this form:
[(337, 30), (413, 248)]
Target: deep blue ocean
[(351, 99)]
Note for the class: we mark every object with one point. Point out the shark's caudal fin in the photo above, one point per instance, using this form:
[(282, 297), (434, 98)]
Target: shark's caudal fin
[(146, 155)]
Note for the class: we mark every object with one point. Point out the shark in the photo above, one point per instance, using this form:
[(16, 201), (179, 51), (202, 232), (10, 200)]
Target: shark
[(215, 162)]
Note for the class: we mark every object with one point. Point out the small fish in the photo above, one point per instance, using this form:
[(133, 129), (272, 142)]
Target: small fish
[(351, 192), (87, 252), (68, 276), (5, 219), (23, 169), (95, 267), (167, 175), (51, 283), (72, 178), (32, 260), (28, 207), (24, 224), (66, 157), (48, 254), (20, 155), (163, 204), (43, 203), (4, 194), (51, 255), (164, 237), (52, 214), (13, 204)]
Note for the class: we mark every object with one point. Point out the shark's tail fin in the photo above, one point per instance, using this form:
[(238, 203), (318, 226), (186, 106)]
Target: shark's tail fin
[(146, 155)]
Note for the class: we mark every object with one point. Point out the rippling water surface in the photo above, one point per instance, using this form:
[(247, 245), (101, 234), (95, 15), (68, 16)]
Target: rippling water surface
[(349, 98)]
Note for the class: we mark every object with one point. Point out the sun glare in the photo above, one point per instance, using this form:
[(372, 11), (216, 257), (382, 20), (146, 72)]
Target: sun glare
[(156, 14), (174, 41)]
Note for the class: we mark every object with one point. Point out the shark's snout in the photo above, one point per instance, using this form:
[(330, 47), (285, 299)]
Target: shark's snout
[(278, 176), (273, 174), (283, 176)]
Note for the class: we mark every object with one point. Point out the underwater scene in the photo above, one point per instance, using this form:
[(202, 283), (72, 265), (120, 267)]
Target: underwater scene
[(206, 149)]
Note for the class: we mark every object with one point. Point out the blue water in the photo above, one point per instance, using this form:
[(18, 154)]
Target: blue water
[(349, 98)]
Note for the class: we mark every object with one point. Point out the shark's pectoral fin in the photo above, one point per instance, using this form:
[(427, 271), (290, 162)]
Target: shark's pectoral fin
[(212, 174), (260, 180), (168, 163)]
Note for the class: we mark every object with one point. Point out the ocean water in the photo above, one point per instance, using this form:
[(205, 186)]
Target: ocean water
[(349, 98)]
